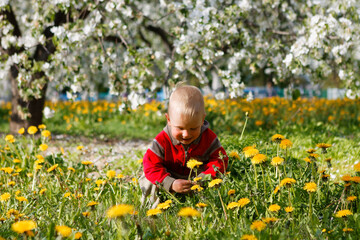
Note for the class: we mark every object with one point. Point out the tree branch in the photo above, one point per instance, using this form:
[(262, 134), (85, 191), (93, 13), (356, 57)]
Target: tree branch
[(163, 35)]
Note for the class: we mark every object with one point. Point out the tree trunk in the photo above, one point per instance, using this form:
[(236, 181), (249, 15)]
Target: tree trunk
[(30, 113), (24, 114)]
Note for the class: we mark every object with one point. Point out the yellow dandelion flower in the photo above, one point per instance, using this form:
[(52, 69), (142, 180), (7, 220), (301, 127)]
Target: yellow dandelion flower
[(258, 158), (289, 209), (92, 203), (164, 205), (32, 130), (269, 219), (134, 180), (43, 147), (243, 202), (274, 208), (276, 161), (11, 183), (4, 197), (52, 168), (355, 179), (197, 179), (310, 187), (314, 155), (285, 144), (351, 198), (77, 235), (215, 182), (66, 195), (22, 199), (311, 150), (111, 174), (196, 187), (21, 131), (153, 212), (87, 162), (307, 160), (343, 213), (258, 225), (119, 210), (23, 226), (327, 159), (46, 133), (8, 170), (63, 230), (323, 145), (248, 147), (348, 230), (42, 126), (100, 182), (12, 212), (38, 167), (287, 182), (71, 169), (15, 160), (357, 167), (42, 191), (86, 214), (10, 138), (201, 205), (233, 205), (192, 163), (276, 190), (79, 147), (234, 154), (277, 138), (346, 178), (231, 192), (188, 212), (251, 152), (248, 237)]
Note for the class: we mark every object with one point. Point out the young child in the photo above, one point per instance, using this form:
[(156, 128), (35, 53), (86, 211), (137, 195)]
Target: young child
[(186, 136)]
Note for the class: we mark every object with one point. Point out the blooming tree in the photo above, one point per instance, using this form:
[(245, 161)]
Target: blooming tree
[(138, 46)]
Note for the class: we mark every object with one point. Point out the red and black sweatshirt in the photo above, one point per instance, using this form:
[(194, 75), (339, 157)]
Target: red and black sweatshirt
[(165, 161)]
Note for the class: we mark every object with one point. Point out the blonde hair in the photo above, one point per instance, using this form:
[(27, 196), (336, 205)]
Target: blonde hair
[(187, 100)]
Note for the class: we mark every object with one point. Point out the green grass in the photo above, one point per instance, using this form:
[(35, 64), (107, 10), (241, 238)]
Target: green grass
[(255, 183)]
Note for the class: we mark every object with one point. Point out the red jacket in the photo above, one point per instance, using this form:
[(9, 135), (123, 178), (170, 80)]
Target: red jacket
[(165, 161)]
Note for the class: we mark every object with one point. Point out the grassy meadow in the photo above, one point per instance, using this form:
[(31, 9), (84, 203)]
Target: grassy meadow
[(293, 174)]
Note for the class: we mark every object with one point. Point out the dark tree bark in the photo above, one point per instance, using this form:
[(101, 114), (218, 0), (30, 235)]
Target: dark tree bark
[(29, 113)]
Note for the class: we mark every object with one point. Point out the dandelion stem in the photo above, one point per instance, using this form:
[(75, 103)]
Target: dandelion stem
[(289, 191), (222, 204), (242, 132), (190, 174), (256, 180), (263, 177), (310, 207)]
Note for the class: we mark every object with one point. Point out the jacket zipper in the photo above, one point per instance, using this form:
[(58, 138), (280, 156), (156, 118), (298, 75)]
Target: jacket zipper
[(186, 154)]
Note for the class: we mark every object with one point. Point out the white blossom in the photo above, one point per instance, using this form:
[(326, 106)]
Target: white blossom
[(58, 31), (3, 3), (48, 112)]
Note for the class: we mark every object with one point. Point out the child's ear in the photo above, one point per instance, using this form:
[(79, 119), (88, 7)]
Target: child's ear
[(167, 118)]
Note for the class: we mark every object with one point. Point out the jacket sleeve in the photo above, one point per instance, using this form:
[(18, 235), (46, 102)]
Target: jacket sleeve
[(215, 160), (154, 169)]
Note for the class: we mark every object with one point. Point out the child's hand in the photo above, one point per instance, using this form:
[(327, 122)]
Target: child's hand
[(181, 186)]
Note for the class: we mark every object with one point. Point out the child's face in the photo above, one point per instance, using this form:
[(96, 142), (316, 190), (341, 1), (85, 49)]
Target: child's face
[(185, 129)]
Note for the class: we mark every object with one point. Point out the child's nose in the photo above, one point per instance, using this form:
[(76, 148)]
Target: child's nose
[(185, 134)]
